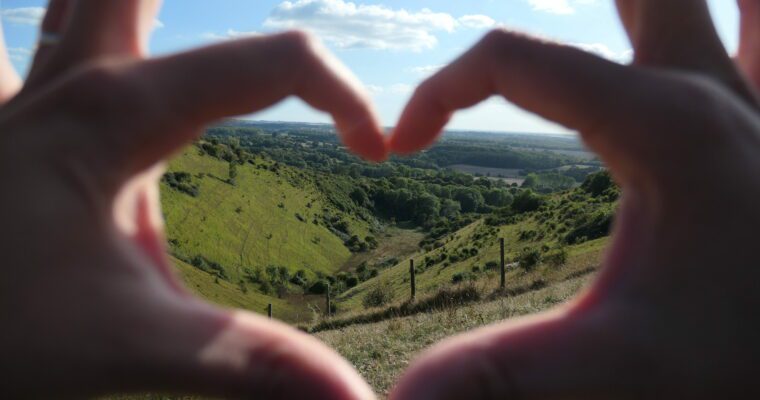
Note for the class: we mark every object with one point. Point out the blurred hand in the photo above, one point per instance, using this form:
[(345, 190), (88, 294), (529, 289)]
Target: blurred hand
[(88, 301), (673, 310)]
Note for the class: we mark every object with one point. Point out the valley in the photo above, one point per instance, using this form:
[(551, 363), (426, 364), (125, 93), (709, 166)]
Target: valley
[(281, 214)]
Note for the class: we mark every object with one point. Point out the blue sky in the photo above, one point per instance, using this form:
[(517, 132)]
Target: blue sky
[(389, 44)]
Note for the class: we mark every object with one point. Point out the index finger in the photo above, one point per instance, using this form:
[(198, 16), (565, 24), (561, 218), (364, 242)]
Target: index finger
[(164, 102), (560, 83)]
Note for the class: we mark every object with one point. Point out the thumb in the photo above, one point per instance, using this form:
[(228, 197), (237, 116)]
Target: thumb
[(551, 356), (235, 354)]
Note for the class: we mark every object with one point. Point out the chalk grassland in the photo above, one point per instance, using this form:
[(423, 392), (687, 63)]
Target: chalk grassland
[(250, 225), (581, 257), (381, 351)]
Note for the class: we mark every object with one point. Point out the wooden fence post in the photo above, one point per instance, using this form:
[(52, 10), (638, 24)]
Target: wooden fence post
[(327, 298), (503, 267), (412, 278), (269, 310)]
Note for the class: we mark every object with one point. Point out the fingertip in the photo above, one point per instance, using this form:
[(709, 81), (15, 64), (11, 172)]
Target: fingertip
[(366, 140), (282, 362), (447, 371), (419, 127)]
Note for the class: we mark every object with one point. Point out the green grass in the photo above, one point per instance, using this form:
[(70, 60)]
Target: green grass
[(251, 225), (439, 276)]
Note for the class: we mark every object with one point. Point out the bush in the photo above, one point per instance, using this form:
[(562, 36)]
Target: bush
[(590, 227), (529, 258), (527, 201), (299, 278), (491, 265), (460, 277), (319, 287), (556, 257), (378, 296)]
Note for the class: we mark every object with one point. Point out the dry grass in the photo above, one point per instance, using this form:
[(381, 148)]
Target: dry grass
[(381, 351)]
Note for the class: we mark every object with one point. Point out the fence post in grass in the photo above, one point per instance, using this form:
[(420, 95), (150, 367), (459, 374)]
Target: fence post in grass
[(269, 310), (412, 278), (327, 300), (503, 267)]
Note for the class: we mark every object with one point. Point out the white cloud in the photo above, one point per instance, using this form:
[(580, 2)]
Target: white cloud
[(24, 15), (604, 51), (348, 25), (229, 35), (552, 6), (558, 6), (395, 89), (477, 21), (426, 70), (157, 24), (19, 53)]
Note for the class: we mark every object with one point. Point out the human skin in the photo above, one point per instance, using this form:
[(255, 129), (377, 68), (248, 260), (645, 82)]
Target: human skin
[(673, 309), (89, 303)]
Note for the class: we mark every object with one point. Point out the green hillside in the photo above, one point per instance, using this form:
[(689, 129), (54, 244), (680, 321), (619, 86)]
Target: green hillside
[(231, 229)]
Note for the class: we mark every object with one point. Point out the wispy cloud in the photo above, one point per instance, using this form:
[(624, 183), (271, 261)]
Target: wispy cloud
[(229, 35), (349, 25), (558, 6), (158, 24), (394, 89), (604, 51), (23, 15), (426, 70), (477, 21), (19, 53)]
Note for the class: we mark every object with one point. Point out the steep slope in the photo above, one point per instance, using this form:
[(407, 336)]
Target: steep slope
[(233, 230), (562, 239)]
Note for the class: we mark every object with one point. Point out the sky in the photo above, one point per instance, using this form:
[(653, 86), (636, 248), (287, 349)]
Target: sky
[(390, 45)]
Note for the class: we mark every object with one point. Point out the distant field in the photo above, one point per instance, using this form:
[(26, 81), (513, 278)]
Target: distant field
[(581, 154), (505, 174)]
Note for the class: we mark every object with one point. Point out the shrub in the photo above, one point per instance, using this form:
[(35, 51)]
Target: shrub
[(319, 287), (491, 265), (529, 258), (556, 257), (460, 277), (378, 296)]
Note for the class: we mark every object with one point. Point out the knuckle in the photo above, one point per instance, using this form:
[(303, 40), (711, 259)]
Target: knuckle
[(298, 42), (99, 92), (496, 36)]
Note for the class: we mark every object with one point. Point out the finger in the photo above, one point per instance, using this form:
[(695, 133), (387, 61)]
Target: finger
[(551, 356), (680, 34), (164, 102), (560, 83), (204, 351), (53, 26), (748, 56), (10, 82), (100, 29)]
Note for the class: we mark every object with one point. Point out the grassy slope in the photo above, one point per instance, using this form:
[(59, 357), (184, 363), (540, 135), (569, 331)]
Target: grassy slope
[(229, 225), (381, 351), (581, 258)]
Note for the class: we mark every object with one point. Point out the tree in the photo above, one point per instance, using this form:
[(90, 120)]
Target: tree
[(598, 183), (450, 208), (527, 201), (470, 199), (426, 208), (497, 197)]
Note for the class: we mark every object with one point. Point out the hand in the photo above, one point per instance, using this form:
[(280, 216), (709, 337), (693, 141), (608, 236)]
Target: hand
[(672, 312), (88, 301)]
